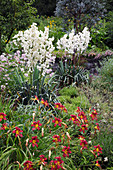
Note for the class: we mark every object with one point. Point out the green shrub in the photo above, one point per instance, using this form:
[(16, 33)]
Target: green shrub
[(72, 98), (69, 91), (98, 35), (106, 73), (109, 28)]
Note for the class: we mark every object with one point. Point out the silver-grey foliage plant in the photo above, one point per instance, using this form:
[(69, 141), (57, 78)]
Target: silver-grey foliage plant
[(82, 12)]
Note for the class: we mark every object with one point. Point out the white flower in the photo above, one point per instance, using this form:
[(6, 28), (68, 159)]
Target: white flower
[(3, 87), (38, 48), (78, 42), (106, 159)]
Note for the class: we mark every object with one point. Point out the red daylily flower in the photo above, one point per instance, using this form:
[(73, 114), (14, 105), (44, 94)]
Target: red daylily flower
[(81, 137), (4, 126), (59, 162), (83, 128), (36, 98), (44, 102), (94, 114), (59, 106), (43, 159), (97, 164), (83, 144), (34, 141), (75, 119), (98, 149), (56, 138), (66, 151), (2, 116), (53, 165), (65, 110), (57, 122), (82, 115), (36, 125), (28, 165), (17, 131), (97, 127)]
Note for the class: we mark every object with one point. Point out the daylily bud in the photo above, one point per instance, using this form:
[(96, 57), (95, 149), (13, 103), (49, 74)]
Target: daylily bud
[(49, 154), (18, 164), (33, 116), (42, 132), (68, 135), (41, 167), (27, 142), (65, 125)]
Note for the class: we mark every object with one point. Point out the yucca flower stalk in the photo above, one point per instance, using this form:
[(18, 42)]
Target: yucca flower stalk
[(38, 48)]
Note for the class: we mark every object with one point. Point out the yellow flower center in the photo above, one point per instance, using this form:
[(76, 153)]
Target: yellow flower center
[(83, 145), (1, 116), (73, 118), (27, 166), (93, 115), (43, 160), (65, 151), (36, 125), (56, 122), (17, 132), (97, 164), (53, 166), (58, 162), (97, 149), (56, 139), (34, 141), (5, 127)]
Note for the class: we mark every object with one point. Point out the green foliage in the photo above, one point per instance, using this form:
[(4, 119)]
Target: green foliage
[(67, 74), (37, 85), (45, 7), (98, 35), (14, 14), (109, 28), (72, 98), (106, 138), (106, 73), (69, 91), (19, 149), (109, 5)]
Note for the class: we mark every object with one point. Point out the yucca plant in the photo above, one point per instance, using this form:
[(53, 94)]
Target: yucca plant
[(36, 84), (67, 74)]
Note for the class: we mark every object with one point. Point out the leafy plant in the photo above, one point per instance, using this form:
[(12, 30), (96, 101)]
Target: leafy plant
[(14, 15), (24, 89), (98, 35), (109, 27), (42, 134), (67, 74), (106, 73), (72, 97)]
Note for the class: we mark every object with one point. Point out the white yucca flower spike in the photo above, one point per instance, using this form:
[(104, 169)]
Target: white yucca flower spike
[(38, 48), (72, 42)]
